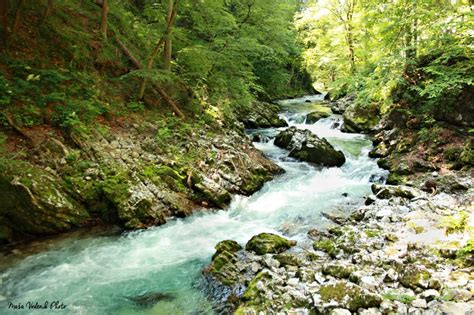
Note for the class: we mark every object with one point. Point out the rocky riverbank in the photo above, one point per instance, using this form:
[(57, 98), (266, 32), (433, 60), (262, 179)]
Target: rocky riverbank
[(408, 250), (392, 256), (136, 173)]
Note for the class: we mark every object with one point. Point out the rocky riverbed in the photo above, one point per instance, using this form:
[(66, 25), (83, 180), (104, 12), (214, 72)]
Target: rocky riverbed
[(407, 250), (391, 256)]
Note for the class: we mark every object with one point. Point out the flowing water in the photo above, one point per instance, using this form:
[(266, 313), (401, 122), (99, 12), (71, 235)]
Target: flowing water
[(100, 274)]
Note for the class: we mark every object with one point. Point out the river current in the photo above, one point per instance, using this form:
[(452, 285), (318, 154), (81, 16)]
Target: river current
[(102, 273)]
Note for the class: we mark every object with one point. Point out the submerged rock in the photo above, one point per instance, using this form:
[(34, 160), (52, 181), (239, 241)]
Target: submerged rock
[(150, 299), (265, 243), (306, 146)]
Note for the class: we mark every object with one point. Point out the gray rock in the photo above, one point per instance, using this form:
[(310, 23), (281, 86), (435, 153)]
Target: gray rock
[(306, 146), (340, 311), (429, 295), (420, 303), (387, 191)]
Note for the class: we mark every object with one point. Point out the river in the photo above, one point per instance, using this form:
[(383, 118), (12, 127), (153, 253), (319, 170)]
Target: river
[(101, 273)]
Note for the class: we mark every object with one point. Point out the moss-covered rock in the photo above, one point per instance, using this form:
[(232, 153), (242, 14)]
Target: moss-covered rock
[(327, 246), (415, 277), (395, 179), (360, 118), (223, 266), (268, 243), (381, 150), (313, 117), (349, 296), (34, 202), (227, 245), (286, 259), (253, 294), (339, 271)]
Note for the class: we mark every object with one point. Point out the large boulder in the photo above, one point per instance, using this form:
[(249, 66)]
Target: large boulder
[(35, 202), (306, 146), (268, 243), (314, 116), (261, 115), (360, 118)]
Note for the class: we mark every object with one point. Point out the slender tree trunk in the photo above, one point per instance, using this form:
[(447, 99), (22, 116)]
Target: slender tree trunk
[(350, 35), (154, 53), (105, 12), (49, 9), (4, 19), (350, 43), (18, 14), (168, 49)]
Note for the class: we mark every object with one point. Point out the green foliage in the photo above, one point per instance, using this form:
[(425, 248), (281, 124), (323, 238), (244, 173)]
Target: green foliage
[(456, 224), (136, 106), (400, 297), (5, 92), (468, 249), (415, 53)]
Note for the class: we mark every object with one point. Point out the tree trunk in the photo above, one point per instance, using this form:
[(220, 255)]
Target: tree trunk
[(167, 50), (162, 92), (105, 12), (18, 14), (350, 43), (49, 9), (4, 18), (154, 53), (350, 35)]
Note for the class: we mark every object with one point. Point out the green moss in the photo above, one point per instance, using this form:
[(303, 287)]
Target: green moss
[(268, 243), (395, 179), (413, 277), (400, 297), (227, 245), (372, 233), (252, 294), (223, 267), (327, 246), (351, 296), (286, 259), (338, 270)]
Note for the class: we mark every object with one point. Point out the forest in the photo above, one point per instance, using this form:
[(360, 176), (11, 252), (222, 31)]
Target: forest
[(237, 156)]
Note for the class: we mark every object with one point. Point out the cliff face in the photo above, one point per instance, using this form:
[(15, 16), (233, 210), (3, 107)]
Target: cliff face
[(126, 175)]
